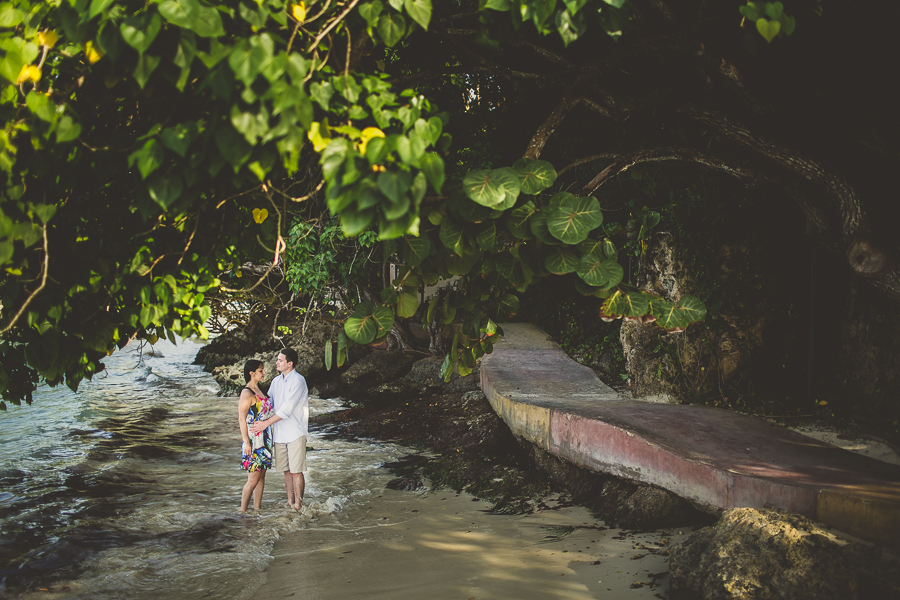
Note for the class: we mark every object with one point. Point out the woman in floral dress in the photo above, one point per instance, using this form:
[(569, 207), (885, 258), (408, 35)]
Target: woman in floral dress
[(256, 450)]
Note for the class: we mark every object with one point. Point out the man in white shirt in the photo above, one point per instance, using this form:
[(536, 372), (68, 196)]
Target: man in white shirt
[(290, 425)]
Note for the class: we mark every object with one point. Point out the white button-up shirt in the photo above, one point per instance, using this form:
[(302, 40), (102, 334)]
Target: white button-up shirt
[(290, 397)]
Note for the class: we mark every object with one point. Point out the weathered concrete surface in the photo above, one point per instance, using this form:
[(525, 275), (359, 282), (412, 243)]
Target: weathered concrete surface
[(712, 456)]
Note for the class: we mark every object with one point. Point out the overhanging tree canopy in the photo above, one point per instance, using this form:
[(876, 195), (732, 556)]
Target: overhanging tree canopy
[(143, 140)]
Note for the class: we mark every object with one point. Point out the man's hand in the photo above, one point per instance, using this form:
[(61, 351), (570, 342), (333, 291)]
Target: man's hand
[(258, 427)]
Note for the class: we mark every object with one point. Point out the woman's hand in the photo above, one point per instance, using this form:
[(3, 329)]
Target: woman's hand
[(246, 447)]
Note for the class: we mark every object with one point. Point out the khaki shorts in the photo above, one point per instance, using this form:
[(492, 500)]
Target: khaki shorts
[(291, 456)]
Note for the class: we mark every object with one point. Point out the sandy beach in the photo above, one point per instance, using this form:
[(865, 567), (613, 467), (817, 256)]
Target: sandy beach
[(446, 545)]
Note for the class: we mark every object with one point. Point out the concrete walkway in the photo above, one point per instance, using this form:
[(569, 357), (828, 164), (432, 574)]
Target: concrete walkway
[(712, 456)]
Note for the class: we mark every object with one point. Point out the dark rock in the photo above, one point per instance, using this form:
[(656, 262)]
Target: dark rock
[(653, 508), (408, 483), (392, 391), (326, 389), (764, 554), (376, 368), (619, 502), (426, 373)]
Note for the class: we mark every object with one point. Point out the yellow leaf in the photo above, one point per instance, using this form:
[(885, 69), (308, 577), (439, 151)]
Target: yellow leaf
[(260, 214), (28, 73), (93, 54), (315, 135), (47, 38), (367, 134), (822, 403), (299, 12), (238, 274)]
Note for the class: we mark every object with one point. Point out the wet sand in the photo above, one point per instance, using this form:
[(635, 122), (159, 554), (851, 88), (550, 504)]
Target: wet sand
[(443, 545)]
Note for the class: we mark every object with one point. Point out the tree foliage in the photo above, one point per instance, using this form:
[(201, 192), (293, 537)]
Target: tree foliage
[(149, 147)]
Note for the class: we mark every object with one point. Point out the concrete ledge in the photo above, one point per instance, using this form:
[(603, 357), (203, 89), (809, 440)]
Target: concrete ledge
[(715, 457)]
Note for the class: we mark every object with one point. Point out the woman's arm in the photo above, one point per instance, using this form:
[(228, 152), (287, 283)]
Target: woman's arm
[(244, 404)]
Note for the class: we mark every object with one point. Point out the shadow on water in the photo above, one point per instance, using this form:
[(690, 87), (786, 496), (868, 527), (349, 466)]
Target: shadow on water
[(55, 521)]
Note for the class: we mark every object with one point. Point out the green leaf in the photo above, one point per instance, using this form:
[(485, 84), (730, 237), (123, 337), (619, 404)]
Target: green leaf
[(362, 326), (693, 307), (538, 175), (506, 307), (409, 303), (569, 26), (67, 130), (626, 304), (355, 222), (419, 11), (433, 166), (394, 185), (574, 219), (164, 189), (342, 349), (452, 235), (146, 64), (370, 12), (178, 139), (774, 10), (11, 64), (560, 261), (140, 31), (391, 28), (328, 355), (599, 271), (10, 16), (415, 249), (486, 236), (97, 7), (41, 106), (540, 229), (148, 158), (430, 130), (411, 149), (519, 223), (384, 318), (485, 187), (190, 14), (6, 252), (768, 29), (575, 5), (232, 145)]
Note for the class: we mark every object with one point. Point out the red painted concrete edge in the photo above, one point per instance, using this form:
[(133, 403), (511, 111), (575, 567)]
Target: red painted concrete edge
[(606, 448)]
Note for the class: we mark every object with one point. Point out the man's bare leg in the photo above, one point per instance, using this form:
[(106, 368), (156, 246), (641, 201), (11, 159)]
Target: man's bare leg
[(289, 487), (299, 485)]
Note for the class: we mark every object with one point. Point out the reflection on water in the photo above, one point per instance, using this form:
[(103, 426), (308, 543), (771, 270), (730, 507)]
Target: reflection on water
[(131, 486)]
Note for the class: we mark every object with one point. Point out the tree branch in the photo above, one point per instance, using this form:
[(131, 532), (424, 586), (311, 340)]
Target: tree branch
[(624, 163), (45, 268)]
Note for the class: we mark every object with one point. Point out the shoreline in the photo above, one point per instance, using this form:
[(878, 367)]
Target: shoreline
[(448, 545)]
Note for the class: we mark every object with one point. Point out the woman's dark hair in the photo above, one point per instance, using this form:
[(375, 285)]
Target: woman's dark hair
[(250, 366)]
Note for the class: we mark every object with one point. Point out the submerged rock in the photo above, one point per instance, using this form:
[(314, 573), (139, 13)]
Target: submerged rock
[(763, 554)]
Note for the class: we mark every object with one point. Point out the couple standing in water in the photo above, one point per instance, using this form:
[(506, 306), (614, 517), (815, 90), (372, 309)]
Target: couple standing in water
[(274, 424)]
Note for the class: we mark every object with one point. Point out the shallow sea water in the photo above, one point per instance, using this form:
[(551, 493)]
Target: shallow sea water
[(130, 488)]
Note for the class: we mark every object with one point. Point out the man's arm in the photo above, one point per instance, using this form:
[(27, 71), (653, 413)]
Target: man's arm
[(260, 426)]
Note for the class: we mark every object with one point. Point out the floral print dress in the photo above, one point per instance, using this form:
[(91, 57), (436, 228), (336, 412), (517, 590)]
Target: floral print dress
[(260, 456)]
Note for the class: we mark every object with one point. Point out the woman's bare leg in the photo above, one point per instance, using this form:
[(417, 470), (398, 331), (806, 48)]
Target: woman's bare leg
[(258, 491), (252, 481)]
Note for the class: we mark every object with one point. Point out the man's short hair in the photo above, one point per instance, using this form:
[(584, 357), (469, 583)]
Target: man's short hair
[(290, 355)]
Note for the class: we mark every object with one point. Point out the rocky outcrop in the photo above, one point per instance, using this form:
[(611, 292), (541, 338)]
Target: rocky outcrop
[(671, 366), (375, 369), (767, 554)]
